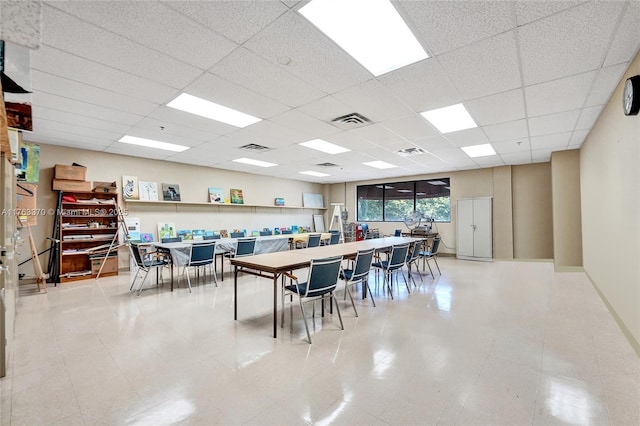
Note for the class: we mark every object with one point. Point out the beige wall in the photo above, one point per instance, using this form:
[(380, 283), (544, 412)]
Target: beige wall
[(567, 223), (502, 213), (532, 218), (610, 193), (193, 181)]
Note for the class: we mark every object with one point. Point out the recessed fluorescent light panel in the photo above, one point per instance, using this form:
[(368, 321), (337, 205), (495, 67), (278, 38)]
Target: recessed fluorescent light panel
[(379, 165), (213, 111), (254, 162), (371, 31), (325, 146), (316, 174), (479, 150), (150, 143), (450, 119)]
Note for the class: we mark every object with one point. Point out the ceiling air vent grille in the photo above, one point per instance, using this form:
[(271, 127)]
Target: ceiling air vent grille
[(351, 121), (327, 165), (408, 152), (253, 147)]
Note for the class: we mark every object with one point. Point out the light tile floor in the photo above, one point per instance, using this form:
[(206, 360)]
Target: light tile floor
[(483, 344)]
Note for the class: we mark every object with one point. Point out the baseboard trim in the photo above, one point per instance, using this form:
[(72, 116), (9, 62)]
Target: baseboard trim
[(568, 268)]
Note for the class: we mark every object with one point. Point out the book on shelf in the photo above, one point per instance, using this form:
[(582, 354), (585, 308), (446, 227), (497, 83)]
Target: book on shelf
[(236, 196), (215, 195)]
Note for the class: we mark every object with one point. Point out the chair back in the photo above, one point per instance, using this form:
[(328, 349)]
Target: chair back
[(414, 251), (397, 233), (135, 252), (314, 240), (323, 276), (287, 232), (398, 256), (172, 240), (237, 235), (335, 238), (362, 265), (245, 247), (435, 245), (265, 233), (202, 253), (211, 237)]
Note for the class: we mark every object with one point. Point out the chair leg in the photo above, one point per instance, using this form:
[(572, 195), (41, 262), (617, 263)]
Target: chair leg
[(438, 266), (348, 291), (142, 282), (338, 310), (387, 278), (188, 279), (405, 280), (430, 270), (304, 317), (134, 279), (365, 282)]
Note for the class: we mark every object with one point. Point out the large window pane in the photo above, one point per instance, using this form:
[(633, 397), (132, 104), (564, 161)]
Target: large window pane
[(398, 201), (433, 199), (370, 203)]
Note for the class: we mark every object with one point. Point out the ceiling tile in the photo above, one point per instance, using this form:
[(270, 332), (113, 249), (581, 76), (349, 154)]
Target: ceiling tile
[(553, 123), (555, 47), (557, 141), (542, 155), (268, 133), (247, 69), (43, 125), (516, 145), (506, 106), (489, 161), (577, 137), (170, 131), (467, 137), (81, 108), (168, 116), (41, 112), (75, 36), (530, 10), (434, 143), (588, 117), (626, 42), (447, 25), (517, 157), (305, 124), (72, 67), (412, 126), (152, 24), (558, 95), (605, 83), (313, 57), (374, 101), (63, 138), (223, 16), (487, 67), (326, 108), (423, 86), (377, 134), (506, 131), (137, 151)]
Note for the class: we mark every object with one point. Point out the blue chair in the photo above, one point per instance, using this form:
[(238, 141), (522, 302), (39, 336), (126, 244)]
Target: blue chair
[(211, 237), (412, 259), (237, 235), (359, 273), (314, 240), (397, 233), (145, 262), (335, 238), (245, 247), (201, 255), (287, 232), (391, 267), (431, 254), (321, 281), (265, 233)]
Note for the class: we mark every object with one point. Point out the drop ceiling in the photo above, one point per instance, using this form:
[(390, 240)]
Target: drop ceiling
[(534, 75)]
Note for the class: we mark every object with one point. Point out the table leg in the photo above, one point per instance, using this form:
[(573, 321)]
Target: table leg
[(275, 306), (235, 292), (172, 276)]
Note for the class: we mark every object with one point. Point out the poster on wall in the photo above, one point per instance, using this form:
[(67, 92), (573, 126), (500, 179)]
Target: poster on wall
[(133, 229), (166, 230), (29, 164), (170, 192), (130, 188), (148, 191)]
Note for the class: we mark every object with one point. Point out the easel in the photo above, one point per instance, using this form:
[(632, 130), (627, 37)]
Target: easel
[(41, 279), (337, 215), (113, 245)]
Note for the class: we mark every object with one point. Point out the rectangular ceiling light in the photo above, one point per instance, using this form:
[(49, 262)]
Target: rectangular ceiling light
[(371, 31), (379, 165), (325, 146), (254, 162), (450, 119), (150, 143), (479, 150), (213, 111), (316, 174)]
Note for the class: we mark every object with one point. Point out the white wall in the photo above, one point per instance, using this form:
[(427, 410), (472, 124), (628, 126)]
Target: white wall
[(610, 194)]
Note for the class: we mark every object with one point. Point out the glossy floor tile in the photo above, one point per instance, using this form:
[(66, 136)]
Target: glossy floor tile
[(483, 344)]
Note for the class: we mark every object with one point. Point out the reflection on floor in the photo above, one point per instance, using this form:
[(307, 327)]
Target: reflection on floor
[(485, 343)]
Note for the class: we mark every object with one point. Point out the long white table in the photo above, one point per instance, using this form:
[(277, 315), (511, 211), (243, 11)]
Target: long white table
[(273, 265)]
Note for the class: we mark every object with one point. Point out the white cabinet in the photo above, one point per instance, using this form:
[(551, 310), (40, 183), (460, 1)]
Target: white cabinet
[(474, 229)]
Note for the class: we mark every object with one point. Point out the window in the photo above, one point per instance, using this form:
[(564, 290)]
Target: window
[(392, 202)]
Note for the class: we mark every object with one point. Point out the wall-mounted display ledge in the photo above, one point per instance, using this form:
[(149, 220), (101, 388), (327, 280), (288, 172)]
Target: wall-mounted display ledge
[(189, 203)]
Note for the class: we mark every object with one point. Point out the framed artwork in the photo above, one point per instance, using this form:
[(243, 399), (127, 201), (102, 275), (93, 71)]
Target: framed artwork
[(130, 188), (279, 202), (170, 192), (148, 191), (198, 234), (215, 195), (146, 237), (166, 230), (236, 196), (185, 234)]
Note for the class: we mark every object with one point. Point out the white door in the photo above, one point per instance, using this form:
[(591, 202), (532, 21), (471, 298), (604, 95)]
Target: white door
[(482, 239), (465, 232)]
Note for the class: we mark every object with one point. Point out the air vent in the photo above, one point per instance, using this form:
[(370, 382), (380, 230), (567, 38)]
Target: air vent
[(351, 121), (253, 147), (408, 152), (327, 165)]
